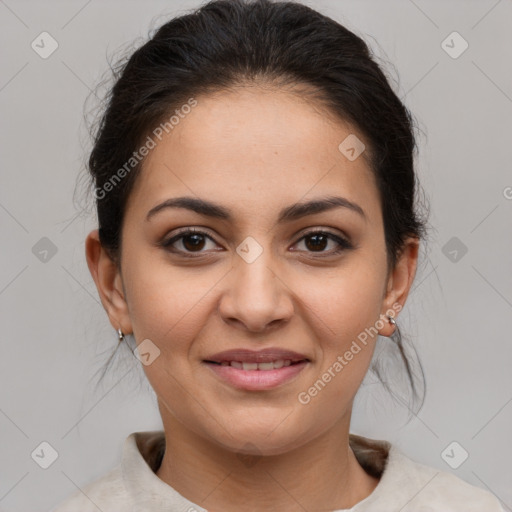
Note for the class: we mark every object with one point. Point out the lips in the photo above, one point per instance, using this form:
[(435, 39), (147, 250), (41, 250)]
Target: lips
[(271, 365), (261, 370), (267, 359)]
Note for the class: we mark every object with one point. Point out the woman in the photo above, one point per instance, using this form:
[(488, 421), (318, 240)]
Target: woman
[(258, 231)]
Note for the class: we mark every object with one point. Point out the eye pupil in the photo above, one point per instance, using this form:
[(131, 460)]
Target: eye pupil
[(197, 243), (316, 244)]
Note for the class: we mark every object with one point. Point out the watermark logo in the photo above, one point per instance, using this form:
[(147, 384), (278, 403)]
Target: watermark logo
[(146, 352), (150, 143), (249, 250), (454, 249), (304, 397), (352, 147), (44, 455), (247, 459), (454, 455), (44, 250), (44, 45), (454, 45)]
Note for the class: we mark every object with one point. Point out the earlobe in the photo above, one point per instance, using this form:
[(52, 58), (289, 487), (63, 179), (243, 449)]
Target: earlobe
[(108, 282)]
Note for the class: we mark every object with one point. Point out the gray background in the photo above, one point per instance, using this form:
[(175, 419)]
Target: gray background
[(55, 333)]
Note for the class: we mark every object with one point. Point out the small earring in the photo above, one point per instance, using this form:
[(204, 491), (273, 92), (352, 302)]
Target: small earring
[(391, 320), (120, 335)]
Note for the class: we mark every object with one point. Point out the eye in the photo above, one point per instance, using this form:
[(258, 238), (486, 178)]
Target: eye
[(194, 241), (318, 240), (191, 240)]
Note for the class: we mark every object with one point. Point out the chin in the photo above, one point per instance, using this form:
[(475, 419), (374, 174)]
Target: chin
[(264, 438)]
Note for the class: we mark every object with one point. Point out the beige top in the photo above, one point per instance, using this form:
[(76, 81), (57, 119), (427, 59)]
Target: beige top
[(404, 485)]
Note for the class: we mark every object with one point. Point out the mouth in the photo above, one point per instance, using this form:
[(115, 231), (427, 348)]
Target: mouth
[(271, 365), (256, 370)]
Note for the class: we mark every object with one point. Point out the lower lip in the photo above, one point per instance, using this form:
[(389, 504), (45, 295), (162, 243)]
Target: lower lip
[(256, 380)]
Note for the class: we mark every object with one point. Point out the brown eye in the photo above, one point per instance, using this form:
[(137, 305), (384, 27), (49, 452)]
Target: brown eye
[(317, 241), (191, 241), (194, 241)]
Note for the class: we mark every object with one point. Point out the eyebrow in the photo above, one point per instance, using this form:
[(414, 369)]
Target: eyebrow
[(288, 214)]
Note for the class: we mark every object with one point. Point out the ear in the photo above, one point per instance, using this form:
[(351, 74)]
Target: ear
[(107, 277), (399, 284)]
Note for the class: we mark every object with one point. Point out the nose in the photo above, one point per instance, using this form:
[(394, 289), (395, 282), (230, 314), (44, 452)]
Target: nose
[(256, 297)]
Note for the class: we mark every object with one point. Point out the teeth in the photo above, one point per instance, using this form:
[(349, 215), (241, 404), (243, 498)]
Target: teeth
[(272, 365)]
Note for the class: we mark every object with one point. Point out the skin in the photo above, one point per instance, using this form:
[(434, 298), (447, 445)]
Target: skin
[(255, 151)]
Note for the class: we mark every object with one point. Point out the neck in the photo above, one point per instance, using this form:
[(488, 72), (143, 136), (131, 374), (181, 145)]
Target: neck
[(323, 474)]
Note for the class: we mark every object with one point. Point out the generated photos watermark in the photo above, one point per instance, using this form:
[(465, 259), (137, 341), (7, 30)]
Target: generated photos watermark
[(304, 397), (143, 151)]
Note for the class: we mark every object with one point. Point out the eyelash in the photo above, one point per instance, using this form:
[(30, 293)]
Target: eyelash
[(343, 243)]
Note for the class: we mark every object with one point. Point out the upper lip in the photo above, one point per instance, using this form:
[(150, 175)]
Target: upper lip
[(256, 356)]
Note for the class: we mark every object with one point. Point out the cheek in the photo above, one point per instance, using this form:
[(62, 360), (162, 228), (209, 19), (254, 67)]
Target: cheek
[(348, 310), (168, 309), (345, 302), (343, 310), (164, 298)]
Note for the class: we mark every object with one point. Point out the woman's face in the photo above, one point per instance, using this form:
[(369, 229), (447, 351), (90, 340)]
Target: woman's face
[(252, 280)]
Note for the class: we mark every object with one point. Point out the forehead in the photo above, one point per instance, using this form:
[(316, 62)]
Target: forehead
[(252, 148)]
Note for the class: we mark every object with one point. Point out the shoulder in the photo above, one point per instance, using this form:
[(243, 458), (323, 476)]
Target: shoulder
[(105, 492), (416, 487)]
